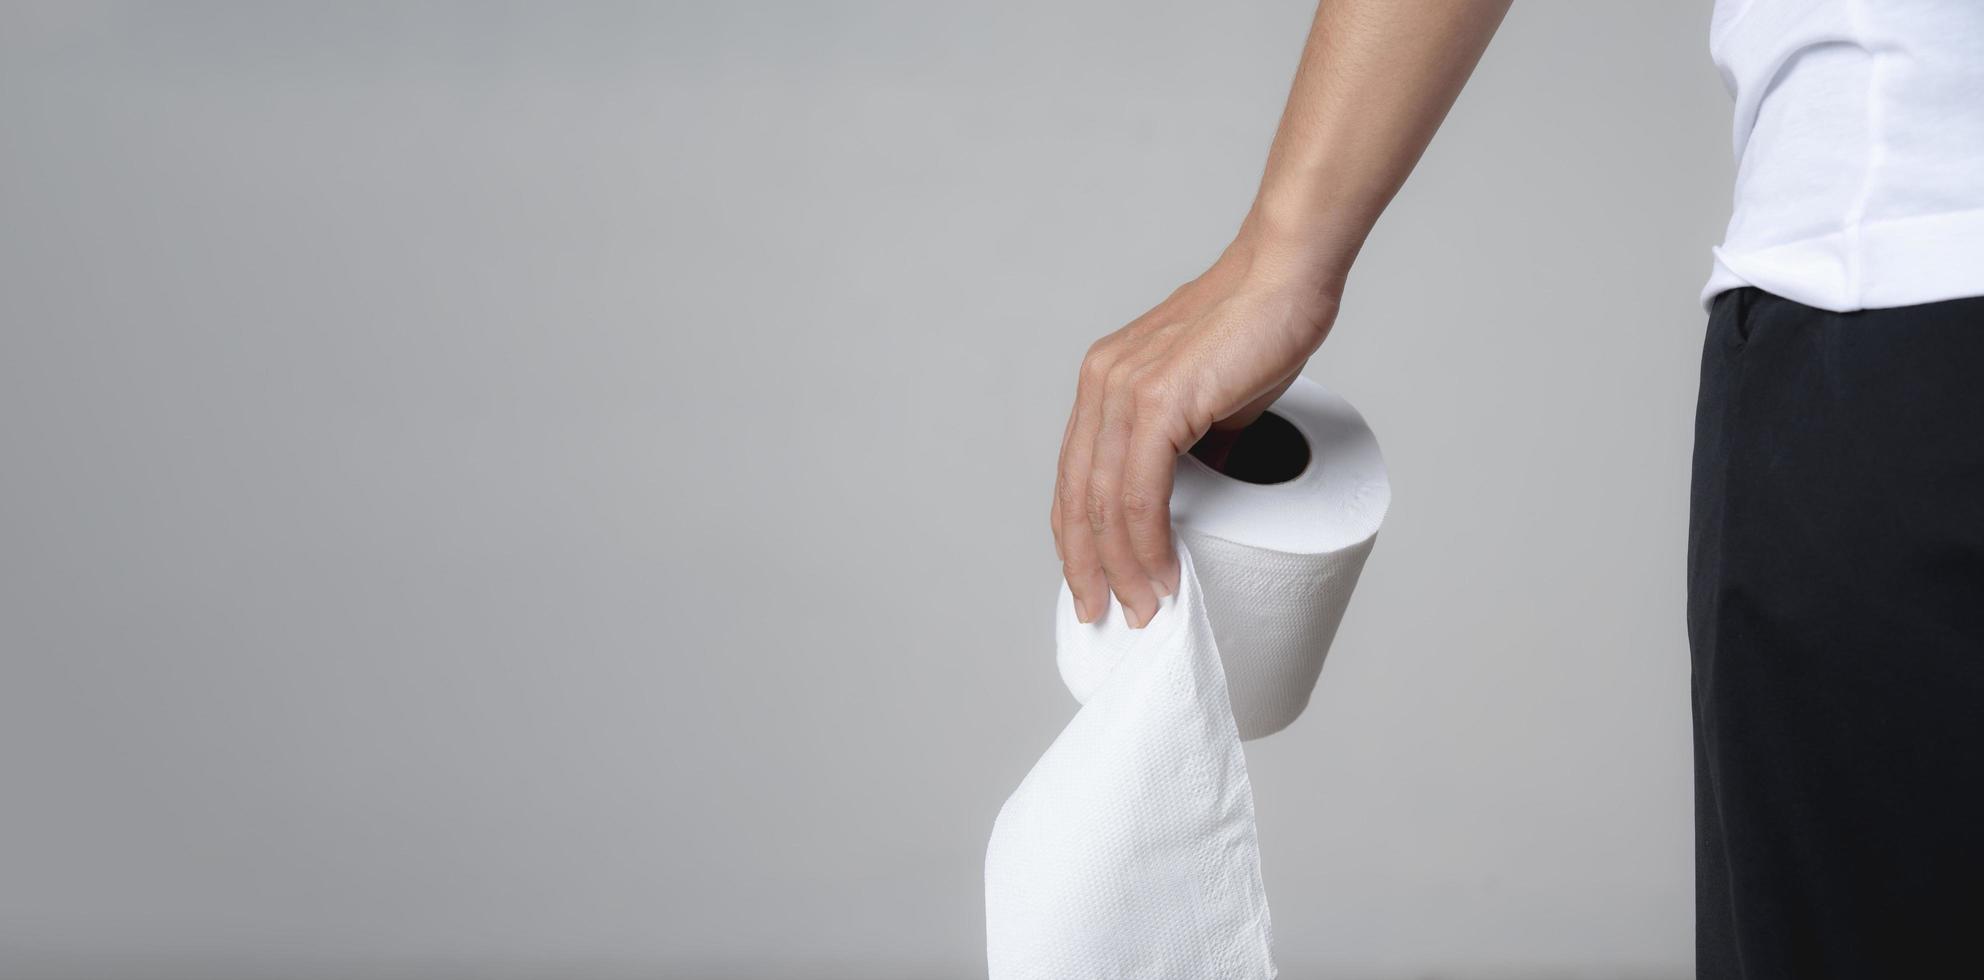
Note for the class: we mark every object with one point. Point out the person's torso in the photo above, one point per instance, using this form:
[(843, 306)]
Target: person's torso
[(1859, 138)]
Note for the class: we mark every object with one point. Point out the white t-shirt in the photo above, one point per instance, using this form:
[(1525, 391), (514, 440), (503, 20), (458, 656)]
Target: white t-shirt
[(1859, 150)]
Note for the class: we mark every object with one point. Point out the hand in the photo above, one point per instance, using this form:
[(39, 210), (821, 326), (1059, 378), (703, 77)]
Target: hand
[(1209, 359)]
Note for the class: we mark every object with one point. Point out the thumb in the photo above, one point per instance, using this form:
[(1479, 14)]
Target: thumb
[(1214, 447)]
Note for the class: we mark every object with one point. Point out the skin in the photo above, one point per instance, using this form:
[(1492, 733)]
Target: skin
[(1376, 79)]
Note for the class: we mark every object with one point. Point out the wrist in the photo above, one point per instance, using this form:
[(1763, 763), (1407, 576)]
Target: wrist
[(1300, 248)]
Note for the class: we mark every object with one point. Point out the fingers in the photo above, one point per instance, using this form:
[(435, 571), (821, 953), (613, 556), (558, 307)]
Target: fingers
[(1080, 563), (1148, 471), (1107, 520)]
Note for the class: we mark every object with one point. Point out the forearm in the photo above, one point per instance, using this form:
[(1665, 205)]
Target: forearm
[(1376, 79)]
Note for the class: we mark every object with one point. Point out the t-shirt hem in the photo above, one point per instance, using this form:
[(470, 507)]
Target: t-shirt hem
[(1900, 262)]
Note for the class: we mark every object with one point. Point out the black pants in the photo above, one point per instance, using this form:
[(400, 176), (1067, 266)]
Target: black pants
[(1836, 614)]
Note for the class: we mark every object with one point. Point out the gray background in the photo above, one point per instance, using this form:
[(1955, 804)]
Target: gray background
[(530, 490)]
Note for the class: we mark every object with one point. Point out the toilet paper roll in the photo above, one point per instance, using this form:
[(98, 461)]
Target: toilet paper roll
[(1130, 849), (1277, 562)]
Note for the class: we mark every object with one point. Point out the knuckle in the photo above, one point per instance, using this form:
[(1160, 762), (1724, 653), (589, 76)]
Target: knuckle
[(1097, 364), (1121, 377), (1139, 507), (1100, 510), (1153, 400), (1067, 499)]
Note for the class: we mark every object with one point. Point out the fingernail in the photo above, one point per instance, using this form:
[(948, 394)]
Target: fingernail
[(1082, 613), (1162, 589), (1138, 620)]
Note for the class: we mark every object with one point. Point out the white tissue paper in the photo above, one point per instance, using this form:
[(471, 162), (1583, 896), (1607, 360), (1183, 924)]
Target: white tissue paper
[(1130, 850)]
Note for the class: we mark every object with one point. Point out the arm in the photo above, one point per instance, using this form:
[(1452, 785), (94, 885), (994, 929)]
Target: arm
[(1376, 79)]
